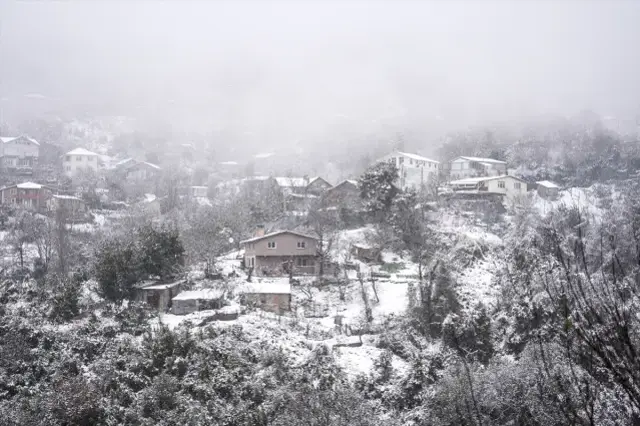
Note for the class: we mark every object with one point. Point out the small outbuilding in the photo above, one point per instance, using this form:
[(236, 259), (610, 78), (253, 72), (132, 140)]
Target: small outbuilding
[(269, 296), (366, 253), (197, 300), (547, 189), (157, 295)]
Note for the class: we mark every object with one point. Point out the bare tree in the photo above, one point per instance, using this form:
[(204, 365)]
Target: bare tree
[(324, 223), (62, 237)]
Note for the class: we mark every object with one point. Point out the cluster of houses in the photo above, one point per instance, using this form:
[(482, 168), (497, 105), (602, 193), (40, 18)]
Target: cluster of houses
[(175, 297), (464, 175)]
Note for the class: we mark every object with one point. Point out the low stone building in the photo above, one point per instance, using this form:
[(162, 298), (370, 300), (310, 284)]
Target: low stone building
[(366, 252), (159, 296), (197, 300), (269, 296), (547, 189)]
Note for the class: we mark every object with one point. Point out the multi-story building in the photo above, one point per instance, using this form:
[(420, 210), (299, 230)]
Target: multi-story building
[(79, 159), (273, 254), (19, 153), (466, 167), (508, 186), (29, 195), (414, 171)]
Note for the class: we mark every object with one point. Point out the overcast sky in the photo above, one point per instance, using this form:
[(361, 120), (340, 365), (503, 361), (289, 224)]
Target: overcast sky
[(296, 66)]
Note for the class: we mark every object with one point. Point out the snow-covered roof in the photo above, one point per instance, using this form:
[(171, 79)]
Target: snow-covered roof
[(67, 197), (161, 286), (309, 196), (547, 184), (475, 180), (417, 157), (229, 163), (80, 151), (292, 181), (123, 162), (267, 288), (153, 166), (204, 294), (273, 234), (344, 182), (149, 198), (29, 185), (482, 160), (7, 139), (264, 155)]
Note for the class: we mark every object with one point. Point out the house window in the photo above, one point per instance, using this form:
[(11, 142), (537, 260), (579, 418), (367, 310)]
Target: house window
[(271, 245), (68, 158), (516, 185), (79, 158), (301, 262), (302, 244), (68, 168), (501, 184), (401, 160)]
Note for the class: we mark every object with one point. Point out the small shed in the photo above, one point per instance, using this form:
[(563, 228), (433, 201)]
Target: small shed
[(366, 253), (547, 189), (269, 296), (158, 295), (197, 300)]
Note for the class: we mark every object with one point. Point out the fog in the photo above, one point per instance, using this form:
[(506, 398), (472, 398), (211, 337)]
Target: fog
[(299, 71)]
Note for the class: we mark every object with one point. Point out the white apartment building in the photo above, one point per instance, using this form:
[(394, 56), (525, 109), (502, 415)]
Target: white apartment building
[(19, 152), (414, 171), (466, 167), (509, 186), (79, 159)]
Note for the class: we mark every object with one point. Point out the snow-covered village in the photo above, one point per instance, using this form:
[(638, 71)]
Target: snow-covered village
[(242, 237)]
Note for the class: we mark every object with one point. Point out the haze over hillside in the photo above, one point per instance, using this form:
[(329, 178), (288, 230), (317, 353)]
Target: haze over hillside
[(272, 75)]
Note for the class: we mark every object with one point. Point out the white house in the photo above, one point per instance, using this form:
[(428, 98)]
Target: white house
[(465, 167), (79, 159), (510, 186), (198, 191), (547, 189), (414, 170), (19, 152)]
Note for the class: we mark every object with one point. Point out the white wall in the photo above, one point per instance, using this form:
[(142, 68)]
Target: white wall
[(21, 149), (71, 164), (512, 186)]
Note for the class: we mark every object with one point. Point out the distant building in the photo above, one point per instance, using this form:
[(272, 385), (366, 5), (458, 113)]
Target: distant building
[(273, 297), (30, 195), (79, 159), (198, 191), (197, 300), (73, 206), (346, 194), (547, 189), (509, 186), (252, 186), (141, 171), (303, 185), (158, 296), (466, 167), (19, 153), (414, 171), (273, 254)]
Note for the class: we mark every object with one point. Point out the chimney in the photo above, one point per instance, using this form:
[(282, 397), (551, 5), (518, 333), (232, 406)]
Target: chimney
[(259, 231)]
